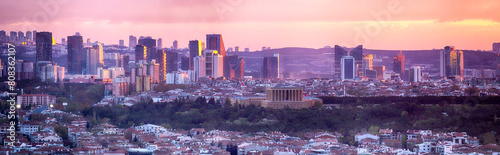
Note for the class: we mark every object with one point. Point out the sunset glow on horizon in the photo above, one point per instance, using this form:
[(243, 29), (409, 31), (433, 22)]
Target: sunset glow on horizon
[(387, 24)]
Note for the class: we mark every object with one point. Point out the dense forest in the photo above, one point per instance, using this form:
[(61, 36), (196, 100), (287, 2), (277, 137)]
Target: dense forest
[(475, 119)]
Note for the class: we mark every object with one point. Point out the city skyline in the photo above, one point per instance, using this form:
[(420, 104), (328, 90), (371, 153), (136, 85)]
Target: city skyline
[(243, 23)]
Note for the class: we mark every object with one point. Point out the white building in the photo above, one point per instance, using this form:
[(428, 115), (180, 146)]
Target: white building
[(177, 78), (151, 128), (199, 67), (214, 64)]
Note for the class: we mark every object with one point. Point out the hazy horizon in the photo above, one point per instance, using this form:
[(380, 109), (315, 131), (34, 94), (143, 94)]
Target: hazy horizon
[(388, 25)]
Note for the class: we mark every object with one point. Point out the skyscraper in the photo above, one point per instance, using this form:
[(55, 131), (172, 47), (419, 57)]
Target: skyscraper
[(34, 36), (44, 46), (399, 64), (339, 53), (20, 36), (357, 53), (215, 42), (3, 35), (415, 74), (171, 61), (75, 53), (367, 63), (121, 42), (348, 68), (496, 47), (29, 36), (184, 63), (451, 63), (199, 67), (159, 44), (132, 41), (124, 60), (94, 58), (140, 53), (175, 44), (498, 66), (195, 49), (150, 43), (380, 72), (270, 68), (161, 58), (13, 36), (214, 63), (236, 67)]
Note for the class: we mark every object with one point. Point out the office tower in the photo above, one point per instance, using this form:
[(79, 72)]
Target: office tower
[(3, 35), (199, 67), (159, 45), (415, 74), (121, 43), (20, 36), (236, 67), (75, 53), (215, 42), (451, 63), (153, 70), (94, 58), (270, 68), (44, 46), (63, 41), (150, 44), (195, 49), (140, 53), (123, 63), (339, 53), (399, 64), (496, 47), (236, 49), (347, 68), (132, 41), (184, 63), (357, 53), (367, 63), (88, 41), (161, 59), (380, 72), (34, 36), (456, 65), (29, 36), (171, 61), (214, 63), (175, 46), (13, 36)]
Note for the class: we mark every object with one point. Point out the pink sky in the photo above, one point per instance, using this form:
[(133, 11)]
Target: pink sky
[(404, 24)]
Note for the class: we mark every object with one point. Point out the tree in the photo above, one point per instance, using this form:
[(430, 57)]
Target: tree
[(472, 90), (373, 129), (318, 105)]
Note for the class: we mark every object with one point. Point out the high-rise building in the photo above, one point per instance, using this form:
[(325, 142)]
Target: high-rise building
[(236, 49), (150, 43), (199, 67), (399, 64), (415, 74), (94, 58), (270, 68), (184, 63), (20, 36), (121, 42), (132, 41), (124, 63), (175, 46), (75, 53), (140, 53), (172, 61), (195, 49), (44, 46), (159, 44), (214, 63), (63, 41), (34, 36), (215, 42), (88, 41), (29, 36), (339, 53), (498, 66), (451, 63), (161, 59), (380, 72), (13, 36), (357, 53), (3, 36), (496, 47), (347, 68), (121, 86), (367, 63), (236, 67), (143, 83)]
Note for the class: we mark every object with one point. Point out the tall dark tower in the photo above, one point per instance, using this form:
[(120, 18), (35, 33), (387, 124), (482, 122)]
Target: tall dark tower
[(43, 46), (215, 42), (270, 68), (150, 43), (195, 49), (161, 59), (75, 54), (339, 53), (357, 53), (171, 61), (399, 64), (236, 67), (140, 53)]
